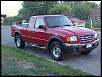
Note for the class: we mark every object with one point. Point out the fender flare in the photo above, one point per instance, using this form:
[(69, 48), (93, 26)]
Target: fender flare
[(17, 31), (54, 38)]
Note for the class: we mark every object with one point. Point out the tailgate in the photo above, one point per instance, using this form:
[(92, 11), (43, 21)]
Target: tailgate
[(13, 29)]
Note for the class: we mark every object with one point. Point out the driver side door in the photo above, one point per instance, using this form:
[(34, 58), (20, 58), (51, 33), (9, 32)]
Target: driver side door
[(40, 34)]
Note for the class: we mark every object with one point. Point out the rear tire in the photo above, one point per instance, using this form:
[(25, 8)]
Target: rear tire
[(19, 43), (85, 52), (57, 51)]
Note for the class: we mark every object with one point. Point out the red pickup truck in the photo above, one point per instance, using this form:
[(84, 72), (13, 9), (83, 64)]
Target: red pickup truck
[(57, 34)]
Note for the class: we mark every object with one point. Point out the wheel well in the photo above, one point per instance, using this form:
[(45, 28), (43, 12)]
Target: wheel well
[(16, 34), (52, 40)]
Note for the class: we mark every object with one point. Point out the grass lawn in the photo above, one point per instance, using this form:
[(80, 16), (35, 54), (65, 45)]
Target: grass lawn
[(17, 62)]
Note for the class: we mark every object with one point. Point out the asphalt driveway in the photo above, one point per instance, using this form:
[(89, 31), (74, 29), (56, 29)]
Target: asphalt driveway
[(90, 63)]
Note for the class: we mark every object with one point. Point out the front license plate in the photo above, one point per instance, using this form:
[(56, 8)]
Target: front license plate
[(88, 45)]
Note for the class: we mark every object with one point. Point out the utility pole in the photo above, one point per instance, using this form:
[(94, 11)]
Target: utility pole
[(91, 23)]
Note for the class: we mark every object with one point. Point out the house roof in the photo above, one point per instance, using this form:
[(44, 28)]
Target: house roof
[(96, 12)]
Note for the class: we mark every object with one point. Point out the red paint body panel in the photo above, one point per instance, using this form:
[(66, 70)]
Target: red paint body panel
[(32, 35)]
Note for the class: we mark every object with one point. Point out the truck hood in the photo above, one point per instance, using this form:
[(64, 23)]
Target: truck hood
[(80, 31)]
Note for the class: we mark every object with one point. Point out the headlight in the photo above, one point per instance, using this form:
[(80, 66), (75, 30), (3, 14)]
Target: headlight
[(72, 38), (95, 35)]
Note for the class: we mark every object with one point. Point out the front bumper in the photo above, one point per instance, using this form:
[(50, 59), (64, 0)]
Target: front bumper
[(80, 47)]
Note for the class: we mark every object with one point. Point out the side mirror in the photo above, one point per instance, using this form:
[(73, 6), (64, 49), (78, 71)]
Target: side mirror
[(41, 27), (74, 25)]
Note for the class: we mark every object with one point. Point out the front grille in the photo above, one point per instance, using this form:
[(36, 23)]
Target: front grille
[(87, 37)]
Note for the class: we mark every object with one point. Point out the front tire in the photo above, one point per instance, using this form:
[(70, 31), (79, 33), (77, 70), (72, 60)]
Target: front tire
[(57, 51), (19, 42)]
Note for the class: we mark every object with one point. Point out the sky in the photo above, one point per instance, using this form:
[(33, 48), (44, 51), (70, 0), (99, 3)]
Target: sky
[(11, 8)]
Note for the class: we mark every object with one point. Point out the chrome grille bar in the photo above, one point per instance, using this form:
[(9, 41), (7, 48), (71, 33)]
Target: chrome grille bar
[(87, 37)]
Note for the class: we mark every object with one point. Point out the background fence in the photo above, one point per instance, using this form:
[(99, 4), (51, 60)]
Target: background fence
[(93, 24)]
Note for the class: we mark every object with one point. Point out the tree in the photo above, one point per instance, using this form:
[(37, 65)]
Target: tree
[(35, 8), (12, 19), (99, 6), (8, 21), (16, 18), (72, 4), (25, 13), (60, 8), (91, 4), (82, 11)]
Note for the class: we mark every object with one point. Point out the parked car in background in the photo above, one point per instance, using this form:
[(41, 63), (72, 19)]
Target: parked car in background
[(76, 21)]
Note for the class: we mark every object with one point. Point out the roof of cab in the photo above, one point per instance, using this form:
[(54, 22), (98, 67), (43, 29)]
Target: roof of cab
[(46, 15)]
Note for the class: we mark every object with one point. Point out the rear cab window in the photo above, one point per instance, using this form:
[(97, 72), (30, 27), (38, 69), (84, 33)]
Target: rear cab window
[(31, 22)]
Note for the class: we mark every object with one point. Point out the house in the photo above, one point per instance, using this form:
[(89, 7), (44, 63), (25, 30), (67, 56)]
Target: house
[(96, 14)]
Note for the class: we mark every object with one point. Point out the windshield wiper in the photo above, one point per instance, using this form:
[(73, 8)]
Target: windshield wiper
[(68, 25), (56, 26)]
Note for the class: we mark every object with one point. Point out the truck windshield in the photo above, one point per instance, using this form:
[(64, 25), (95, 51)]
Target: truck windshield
[(58, 21)]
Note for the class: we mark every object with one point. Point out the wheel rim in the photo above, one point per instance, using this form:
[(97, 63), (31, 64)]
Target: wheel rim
[(18, 41), (56, 51)]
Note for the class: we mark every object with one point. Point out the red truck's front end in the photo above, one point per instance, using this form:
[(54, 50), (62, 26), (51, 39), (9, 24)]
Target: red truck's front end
[(83, 40), (77, 39)]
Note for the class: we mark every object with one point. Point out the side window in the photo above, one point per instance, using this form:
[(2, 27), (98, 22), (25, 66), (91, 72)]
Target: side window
[(39, 21), (31, 21)]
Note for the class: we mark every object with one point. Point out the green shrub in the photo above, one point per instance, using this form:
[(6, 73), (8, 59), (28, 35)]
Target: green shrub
[(10, 20), (7, 21)]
